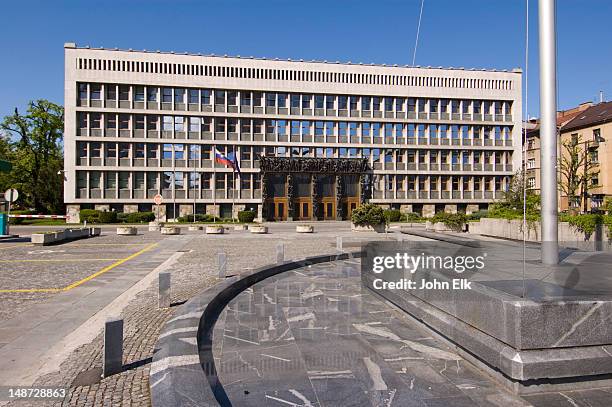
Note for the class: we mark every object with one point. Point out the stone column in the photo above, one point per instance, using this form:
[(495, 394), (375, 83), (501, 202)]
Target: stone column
[(161, 210), (450, 208), (185, 209), (316, 196), (264, 197), (471, 208), (339, 197), (290, 197), (73, 214), (130, 208), (429, 210), (213, 210), (406, 208), (102, 207)]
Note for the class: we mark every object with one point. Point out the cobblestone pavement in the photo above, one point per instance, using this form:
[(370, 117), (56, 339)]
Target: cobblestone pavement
[(195, 270)]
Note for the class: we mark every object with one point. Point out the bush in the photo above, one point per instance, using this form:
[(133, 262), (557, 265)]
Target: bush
[(392, 215), (478, 215), (122, 217), (368, 215), (586, 223), (140, 217), (107, 217), (450, 220), (90, 215), (246, 216), (411, 217), (199, 217)]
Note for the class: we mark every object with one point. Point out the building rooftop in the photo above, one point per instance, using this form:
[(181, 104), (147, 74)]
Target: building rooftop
[(597, 114), (74, 45)]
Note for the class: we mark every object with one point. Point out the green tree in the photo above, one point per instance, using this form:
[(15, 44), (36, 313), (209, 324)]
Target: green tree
[(577, 171), (35, 150)]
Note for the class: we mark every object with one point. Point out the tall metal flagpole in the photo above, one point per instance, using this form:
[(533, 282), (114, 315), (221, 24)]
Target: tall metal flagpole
[(548, 132), (234, 183), (214, 182)]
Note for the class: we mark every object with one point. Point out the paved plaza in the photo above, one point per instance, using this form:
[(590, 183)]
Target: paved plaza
[(309, 337)]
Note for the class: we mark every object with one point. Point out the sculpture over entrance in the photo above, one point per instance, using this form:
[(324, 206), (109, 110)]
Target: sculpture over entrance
[(308, 188)]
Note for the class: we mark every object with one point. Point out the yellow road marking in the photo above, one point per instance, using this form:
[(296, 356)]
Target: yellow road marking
[(108, 268), (105, 244), (84, 280), (53, 260)]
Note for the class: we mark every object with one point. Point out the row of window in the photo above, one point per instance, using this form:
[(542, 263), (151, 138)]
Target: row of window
[(289, 74), (166, 180), (194, 124), (179, 97), (169, 151)]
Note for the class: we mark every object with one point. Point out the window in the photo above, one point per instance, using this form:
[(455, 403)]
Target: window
[(319, 128), (411, 105), (179, 123), (376, 104), (306, 101), (257, 98), (319, 102), (220, 97), (282, 100), (95, 149), (110, 180), (245, 98), (139, 150), (194, 152), (151, 94), (531, 183), (531, 163), (124, 92), (205, 93), (342, 102), (83, 91), (194, 96), (220, 125), (295, 101), (594, 157), (353, 102), (366, 103), (95, 91), (179, 152), (305, 128), (194, 124), (124, 150), (270, 99), (232, 98), (111, 150), (388, 104), (139, 95), (166, 95), (111, 92), (330, 102)]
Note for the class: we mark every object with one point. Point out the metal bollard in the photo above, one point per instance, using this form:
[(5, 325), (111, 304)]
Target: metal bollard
[(113, 347), (339, 243), (280, 252), (222, 263), (164, 290)]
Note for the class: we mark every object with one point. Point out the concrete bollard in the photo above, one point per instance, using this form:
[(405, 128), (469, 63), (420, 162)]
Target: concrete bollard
[(339, 243), (280, 252), (164, 290), (222, 262), (113, 347)]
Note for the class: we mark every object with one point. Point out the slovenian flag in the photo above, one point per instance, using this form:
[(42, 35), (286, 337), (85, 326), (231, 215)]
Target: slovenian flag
[(221, 159)]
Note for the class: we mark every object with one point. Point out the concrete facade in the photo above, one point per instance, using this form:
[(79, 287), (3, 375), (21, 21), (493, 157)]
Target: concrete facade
[(142, 123)]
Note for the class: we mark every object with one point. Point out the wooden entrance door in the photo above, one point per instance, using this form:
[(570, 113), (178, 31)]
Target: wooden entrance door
[(303, 209), (280, 208), (351, 204), (329, 209)]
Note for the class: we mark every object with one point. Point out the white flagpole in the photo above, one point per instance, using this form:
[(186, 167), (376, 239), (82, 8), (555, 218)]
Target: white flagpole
[(214, 185), (234, 184)]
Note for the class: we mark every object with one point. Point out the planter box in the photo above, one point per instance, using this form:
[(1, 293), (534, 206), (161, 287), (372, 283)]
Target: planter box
[(43, 239), (368, 228), (155, 226), (126, 230), (304, 228), (215, 230), (195, 227), (240, 227), (441, 227), (258, 229), (170, 230)]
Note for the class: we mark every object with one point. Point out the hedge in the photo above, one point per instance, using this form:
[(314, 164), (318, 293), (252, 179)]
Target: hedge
[(107, 217), (450, 220), (368, 215), (246, 216), (140, 217), (393, 215)]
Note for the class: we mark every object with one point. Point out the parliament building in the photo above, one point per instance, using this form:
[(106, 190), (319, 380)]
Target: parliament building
[(313, 139)]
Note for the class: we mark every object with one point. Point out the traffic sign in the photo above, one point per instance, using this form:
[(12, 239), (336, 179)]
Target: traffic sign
[(11, 195), (158, 199)]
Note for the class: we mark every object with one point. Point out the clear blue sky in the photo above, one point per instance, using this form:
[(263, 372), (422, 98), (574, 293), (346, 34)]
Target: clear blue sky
[(459, 33)]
